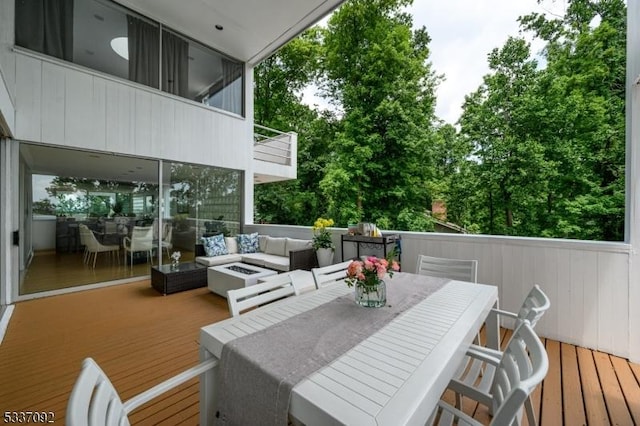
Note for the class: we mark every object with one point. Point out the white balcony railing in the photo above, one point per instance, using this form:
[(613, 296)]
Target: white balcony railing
[(272, 145), (588, 282)]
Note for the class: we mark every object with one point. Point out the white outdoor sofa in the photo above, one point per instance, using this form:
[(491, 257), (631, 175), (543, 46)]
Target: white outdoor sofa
[(278, 253)]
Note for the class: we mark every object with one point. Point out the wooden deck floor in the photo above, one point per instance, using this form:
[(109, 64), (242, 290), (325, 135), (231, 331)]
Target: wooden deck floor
[(141, 338)]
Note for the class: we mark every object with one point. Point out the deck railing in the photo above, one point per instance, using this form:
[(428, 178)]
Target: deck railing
[(588, 281), (271, 145)]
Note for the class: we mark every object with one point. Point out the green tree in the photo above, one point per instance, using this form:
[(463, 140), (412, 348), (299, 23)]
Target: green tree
[(278, 105), (498, 121), (582, 109), (377, 73)]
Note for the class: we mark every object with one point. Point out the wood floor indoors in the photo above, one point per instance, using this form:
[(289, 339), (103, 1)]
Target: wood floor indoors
[(140, 338), (53, 271)]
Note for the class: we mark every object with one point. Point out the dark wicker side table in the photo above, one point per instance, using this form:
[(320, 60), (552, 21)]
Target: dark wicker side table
[(188, 276)]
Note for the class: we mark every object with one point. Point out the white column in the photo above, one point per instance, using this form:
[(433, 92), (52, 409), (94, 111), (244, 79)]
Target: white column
[(9, 165), (248, 176), (632, 219)]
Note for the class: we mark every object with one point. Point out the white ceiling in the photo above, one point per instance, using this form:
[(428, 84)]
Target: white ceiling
[(90, 165), (252, 29)]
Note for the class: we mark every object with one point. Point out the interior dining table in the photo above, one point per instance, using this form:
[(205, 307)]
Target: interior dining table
[(390, 367)]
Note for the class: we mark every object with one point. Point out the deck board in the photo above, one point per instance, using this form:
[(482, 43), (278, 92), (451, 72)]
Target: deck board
[(141, 338), (552, 390), (614, 399), (629, 386), (573, 408), (592, 391)]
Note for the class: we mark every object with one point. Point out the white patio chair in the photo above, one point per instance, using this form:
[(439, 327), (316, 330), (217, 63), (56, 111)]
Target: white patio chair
[(475, 376), (275, 288), (455, 269), (95, 402), (522, 367), (141, 240), (93, 246), (330, 274)]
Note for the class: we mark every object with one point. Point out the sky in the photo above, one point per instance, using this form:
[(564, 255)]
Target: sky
[(463, 32)]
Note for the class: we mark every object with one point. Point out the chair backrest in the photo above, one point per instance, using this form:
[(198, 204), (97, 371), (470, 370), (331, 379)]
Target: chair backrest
[(455, 269), (523, 366), (141, 237), (94, 401), (534, 306), (249, 297), (168, 232), (83, 230), (87, 237), (331, 273)]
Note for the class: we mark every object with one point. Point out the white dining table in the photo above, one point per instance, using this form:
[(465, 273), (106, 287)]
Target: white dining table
[(415, 355)]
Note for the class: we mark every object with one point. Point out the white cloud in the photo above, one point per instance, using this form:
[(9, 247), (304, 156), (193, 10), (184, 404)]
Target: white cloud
[(463, 33)]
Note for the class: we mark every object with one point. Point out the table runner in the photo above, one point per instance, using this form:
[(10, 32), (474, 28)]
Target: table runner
[(258, 371)]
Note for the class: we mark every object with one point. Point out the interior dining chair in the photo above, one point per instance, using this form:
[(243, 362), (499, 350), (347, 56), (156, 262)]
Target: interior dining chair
[(455, 269), (475, 376), (141, 240), (167, 243), (330, 274), (82, 230), (275, 288), (94, 401), (520, 369), (93, 246)]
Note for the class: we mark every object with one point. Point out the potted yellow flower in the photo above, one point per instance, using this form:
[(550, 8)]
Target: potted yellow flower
[(322, 242)]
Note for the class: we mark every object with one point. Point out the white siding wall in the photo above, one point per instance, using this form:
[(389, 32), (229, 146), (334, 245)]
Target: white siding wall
[(632, 219), (64, 105), (587, 282)]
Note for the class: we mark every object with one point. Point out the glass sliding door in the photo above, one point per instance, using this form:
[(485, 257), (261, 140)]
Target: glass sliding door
[(80, 211), (199, 200)]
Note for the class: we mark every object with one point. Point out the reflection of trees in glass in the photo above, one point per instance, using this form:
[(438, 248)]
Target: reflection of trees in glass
[(44, 206), (205, 192), (74, 197)]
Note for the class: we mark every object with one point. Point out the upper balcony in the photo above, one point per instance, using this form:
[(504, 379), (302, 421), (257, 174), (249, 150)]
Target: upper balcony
[(274, 155)]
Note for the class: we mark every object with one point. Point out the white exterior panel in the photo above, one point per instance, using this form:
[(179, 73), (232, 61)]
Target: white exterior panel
[(28, 98), (63, 105)]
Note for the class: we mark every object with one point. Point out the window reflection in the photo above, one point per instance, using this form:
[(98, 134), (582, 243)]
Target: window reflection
[(202, 201), (109, 38)]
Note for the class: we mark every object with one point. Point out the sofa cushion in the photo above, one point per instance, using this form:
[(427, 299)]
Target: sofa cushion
[(214, 246), (232, 244), (254, 258), (294, 244), (279, 263), (218, 260), (271, 261), (262, 242), (276, 246), (247, 243)]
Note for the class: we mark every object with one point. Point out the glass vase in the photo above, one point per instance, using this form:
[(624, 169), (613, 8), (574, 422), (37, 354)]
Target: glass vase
[(373, 296)]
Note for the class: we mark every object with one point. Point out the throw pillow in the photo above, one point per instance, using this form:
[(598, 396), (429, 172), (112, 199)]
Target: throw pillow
[(232, 245), (247, 243), (214, 246)]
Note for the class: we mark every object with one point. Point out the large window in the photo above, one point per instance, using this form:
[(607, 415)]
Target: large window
[(66, 191), (201, 200), (103, 36)]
